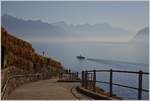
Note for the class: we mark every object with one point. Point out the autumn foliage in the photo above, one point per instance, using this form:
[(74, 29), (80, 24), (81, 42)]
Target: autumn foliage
[(20, 53)]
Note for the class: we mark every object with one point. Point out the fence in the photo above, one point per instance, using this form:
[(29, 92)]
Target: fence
[(5, 90), (89, 80), (68, 75)]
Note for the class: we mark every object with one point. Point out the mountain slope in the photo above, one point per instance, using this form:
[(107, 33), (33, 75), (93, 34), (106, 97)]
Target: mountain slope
[(32, 28), (142, 36), (29, 27)]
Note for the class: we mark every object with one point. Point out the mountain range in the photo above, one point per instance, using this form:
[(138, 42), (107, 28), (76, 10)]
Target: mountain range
[(21, 27), (31, 28)]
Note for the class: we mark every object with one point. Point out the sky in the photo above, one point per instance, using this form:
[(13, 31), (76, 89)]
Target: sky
[(130, 15)]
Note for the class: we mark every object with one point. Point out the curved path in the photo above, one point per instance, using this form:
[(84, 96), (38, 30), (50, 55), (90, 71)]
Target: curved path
[(47, 90)]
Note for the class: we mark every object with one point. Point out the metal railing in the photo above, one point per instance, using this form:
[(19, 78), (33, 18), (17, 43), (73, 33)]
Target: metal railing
[(68, 75), (3, 89), (89, 80)]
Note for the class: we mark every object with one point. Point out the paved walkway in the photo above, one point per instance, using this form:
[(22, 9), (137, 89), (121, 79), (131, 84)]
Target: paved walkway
[(47, 90)]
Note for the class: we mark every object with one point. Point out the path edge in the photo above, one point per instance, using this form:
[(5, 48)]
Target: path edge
[(92, 94)]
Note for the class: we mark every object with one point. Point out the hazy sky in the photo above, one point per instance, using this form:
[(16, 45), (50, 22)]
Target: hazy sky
[(128, 15)]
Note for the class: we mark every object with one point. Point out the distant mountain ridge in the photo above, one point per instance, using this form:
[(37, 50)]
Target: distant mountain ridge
[(141, 36), (23, 27), (38, 28)]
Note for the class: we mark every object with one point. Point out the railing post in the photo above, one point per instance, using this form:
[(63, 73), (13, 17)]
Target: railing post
[(69, 71), (60, 75), (94, 80), (72, 76), (83, 78), (3, 55), (86, 75), (140, 85), (110, 83), (77, 75), (69, 75)]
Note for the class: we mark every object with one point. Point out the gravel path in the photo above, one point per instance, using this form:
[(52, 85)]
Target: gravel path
[(47, 90)]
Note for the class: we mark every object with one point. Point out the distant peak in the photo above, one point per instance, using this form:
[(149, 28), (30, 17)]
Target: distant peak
[(35, 21), (60, 22), (38, 20), (144, 30), (105, 24), (7, 15)]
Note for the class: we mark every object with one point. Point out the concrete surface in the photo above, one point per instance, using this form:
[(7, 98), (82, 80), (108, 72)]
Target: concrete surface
[(47, 90)]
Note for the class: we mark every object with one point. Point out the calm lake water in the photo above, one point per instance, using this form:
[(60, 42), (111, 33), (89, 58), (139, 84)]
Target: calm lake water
[(133, 57)]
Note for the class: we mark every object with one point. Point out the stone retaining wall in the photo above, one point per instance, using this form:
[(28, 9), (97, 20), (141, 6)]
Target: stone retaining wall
[(11, 81)]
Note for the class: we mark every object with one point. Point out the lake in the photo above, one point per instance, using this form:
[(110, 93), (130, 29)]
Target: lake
[(117, 56)]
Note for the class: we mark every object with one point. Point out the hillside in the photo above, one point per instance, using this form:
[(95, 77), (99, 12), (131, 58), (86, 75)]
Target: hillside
[(19, 58), (142, 36), (19, 48)]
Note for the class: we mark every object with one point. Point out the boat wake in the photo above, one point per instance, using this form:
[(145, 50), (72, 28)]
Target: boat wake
[(121, 64)]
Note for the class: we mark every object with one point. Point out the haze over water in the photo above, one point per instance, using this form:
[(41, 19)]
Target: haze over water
[(133, 57)]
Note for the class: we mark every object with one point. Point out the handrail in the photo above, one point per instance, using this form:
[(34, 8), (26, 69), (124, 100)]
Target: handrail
[(122, 85), (118, 71), (86, 79), (68, 76), (14, 76), (130, 72), (98, 70)]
